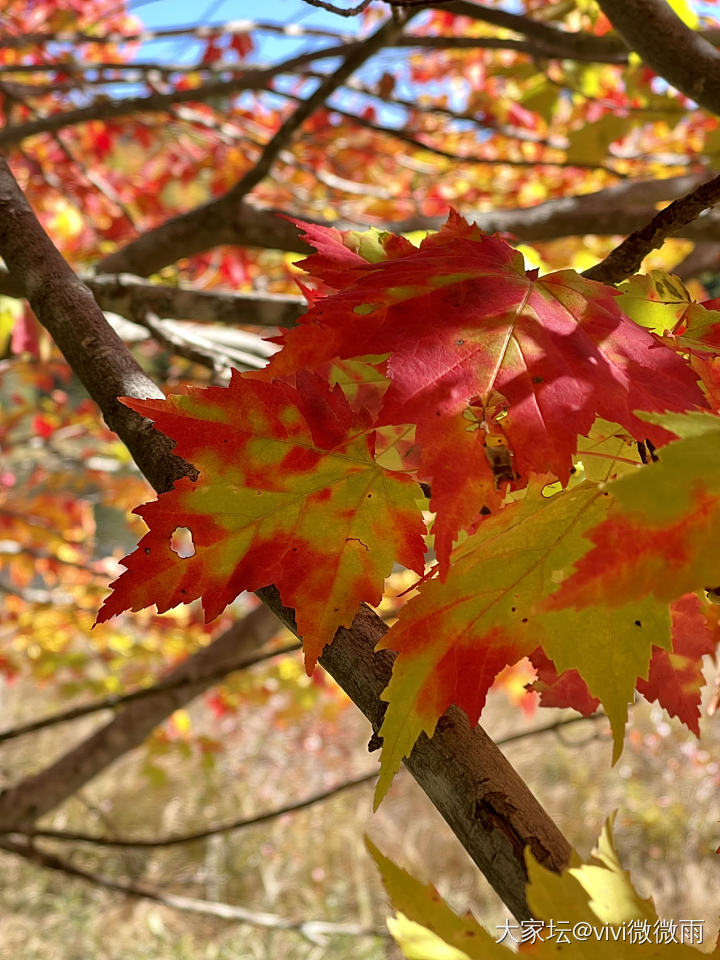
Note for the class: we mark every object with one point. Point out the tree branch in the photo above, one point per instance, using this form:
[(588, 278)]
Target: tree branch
[(625, 259), (619, 209), (313, 930), (129, 295), (558, 43), (487, 805), (25, 802), (241, 824), (174, 682), (101, 361), (202, 32), (653, 30), (147, 254)]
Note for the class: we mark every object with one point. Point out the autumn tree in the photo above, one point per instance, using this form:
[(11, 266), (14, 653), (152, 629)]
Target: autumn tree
[(482, 243)]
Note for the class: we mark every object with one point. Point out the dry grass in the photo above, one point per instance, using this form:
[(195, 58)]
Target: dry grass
[(312, 864)]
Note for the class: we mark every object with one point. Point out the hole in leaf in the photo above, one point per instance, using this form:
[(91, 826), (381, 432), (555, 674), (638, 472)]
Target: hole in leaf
[(181, 542)]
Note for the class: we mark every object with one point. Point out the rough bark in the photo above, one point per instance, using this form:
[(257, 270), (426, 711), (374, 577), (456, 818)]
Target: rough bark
[(68, 310), (626, 258), (482, 798), (551, 41)]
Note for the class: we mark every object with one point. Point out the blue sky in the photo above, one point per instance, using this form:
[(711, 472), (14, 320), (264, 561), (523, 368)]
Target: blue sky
[(269, 48), (173, 13)]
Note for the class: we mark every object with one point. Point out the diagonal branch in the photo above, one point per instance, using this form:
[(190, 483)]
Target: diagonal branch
[(251, 78), (625, 259), (476, 790), (219, 669), (556, 41), (619, 209)]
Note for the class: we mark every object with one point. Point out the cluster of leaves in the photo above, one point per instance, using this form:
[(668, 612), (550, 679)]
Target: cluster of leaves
[(524, 406)]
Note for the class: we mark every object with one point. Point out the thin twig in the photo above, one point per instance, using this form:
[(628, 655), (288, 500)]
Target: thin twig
[(201, 32), (331, 8), (625, 259), (67, 835), (313, 930), (163, 686), (548, 728), (252, 78), (306, 108)]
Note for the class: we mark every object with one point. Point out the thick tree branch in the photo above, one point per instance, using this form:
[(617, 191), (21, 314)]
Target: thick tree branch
[(622, 208), (99, 358), (625, 259), (556, 41), (487, 805), (465, 775), (129, 296), (653, 30), (71, 836)]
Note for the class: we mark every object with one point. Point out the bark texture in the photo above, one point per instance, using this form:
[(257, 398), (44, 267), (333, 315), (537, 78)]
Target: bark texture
[(480, 795)]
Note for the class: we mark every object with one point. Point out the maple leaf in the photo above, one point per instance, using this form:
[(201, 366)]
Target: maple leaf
[(660, 302), (288, 493), (676, 676), (656, 300), (425, 921), (660, 539), (587, 911), (616, 649), (562, 690), (343, 254), (495, 607), (467, 329), (455, 636)]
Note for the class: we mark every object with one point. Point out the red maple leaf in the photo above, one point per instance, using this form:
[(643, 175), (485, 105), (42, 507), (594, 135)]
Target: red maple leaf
[(676, 677), (567, 689), (470, 334), (289, 493)]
